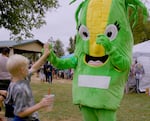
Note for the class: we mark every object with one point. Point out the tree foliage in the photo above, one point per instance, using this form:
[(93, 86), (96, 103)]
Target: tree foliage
[(58, 48), (21, 16), (71, 47), (141, 32)]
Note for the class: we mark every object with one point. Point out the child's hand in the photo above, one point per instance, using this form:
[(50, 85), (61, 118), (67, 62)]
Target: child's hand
[(1, 98), (3, 92), (3, 95), (46, 101), (47, 49)]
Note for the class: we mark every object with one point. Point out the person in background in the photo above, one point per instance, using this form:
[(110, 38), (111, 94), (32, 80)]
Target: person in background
[(19, 93), (3, 94), (48, 72), (55, 73), (45, 70), (139, 71), (5, 76), (41, 74)]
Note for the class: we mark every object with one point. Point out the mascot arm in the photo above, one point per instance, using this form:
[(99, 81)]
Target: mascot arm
[(62, 63), (119, 60)]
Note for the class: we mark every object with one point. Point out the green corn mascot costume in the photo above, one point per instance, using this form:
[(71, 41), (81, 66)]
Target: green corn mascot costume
[(102, 57)]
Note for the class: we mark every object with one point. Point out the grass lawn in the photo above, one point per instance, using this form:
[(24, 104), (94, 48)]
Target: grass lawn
[(63, 109), (134, 107)]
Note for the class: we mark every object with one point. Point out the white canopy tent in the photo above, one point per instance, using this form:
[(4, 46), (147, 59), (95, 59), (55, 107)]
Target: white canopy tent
[(142, 53), (142, 49)]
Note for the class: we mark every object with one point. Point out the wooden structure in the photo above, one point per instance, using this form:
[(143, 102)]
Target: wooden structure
[(32, 48), (24, 46)]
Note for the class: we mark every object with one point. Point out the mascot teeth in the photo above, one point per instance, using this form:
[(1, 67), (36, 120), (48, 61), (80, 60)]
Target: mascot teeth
[(95, 63)]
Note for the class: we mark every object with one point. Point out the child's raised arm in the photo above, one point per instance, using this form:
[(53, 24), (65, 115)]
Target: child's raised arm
[(42, 59)]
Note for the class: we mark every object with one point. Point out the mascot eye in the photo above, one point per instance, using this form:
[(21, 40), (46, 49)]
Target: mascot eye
[(84, 33), (111, 31)]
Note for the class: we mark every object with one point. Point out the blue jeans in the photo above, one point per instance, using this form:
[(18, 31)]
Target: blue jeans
[(16, 118)]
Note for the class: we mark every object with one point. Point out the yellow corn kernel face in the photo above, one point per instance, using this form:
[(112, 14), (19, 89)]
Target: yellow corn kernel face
[(97, 17)]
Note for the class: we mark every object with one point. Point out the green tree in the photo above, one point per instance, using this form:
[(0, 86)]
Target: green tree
[(141, 32), (21, 16), (58, 48), (147, 30), (71, 47)]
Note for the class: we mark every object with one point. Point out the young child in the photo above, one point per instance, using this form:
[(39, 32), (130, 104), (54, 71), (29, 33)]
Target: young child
[(5, 76), (19, 91)]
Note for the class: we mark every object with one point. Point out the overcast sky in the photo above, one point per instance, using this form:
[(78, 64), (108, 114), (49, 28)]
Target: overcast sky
[(60, 24)]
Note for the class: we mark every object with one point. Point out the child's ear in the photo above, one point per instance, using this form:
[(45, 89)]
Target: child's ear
[(22, 69)]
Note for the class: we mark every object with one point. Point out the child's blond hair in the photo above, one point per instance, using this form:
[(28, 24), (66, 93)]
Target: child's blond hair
[(15, 62)]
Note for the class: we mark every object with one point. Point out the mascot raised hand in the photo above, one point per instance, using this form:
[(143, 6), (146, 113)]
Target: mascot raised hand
[(102, 57)]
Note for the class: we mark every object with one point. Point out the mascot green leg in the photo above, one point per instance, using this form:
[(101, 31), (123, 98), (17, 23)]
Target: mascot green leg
[(91, 114)]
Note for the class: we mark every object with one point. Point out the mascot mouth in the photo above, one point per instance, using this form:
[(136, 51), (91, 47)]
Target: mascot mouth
[(95, 61)]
